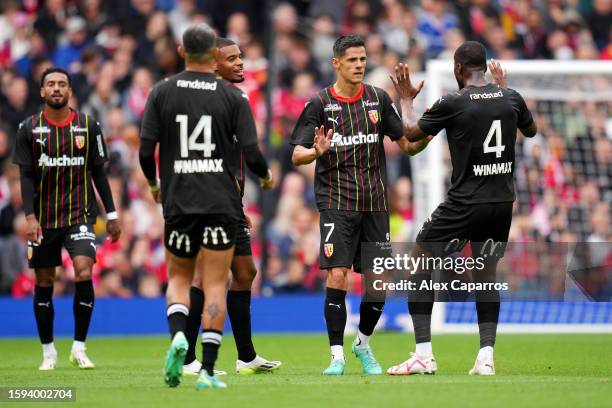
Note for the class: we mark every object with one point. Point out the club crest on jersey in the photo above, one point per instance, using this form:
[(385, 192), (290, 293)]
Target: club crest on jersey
[(328, 250), (79, 141), (374, 116)]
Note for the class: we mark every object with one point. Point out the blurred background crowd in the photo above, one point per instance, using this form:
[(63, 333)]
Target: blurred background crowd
[(117, 49)]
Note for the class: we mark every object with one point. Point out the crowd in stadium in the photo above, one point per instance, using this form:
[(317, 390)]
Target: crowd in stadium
[(117, 50)]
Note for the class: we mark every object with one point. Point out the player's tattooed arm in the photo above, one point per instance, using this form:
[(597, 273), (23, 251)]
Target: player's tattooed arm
[(499, 75), (305, 155), (407, 92)]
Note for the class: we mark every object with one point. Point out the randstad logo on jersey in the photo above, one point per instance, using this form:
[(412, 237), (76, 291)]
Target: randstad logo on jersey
[(492, 169), (198, 166), (360, 138), (63, 161), (489, 95), (332, 107), (202, 85)]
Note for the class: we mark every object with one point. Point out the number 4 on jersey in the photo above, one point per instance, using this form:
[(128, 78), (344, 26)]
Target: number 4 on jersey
[(498, 148), (191, 143)]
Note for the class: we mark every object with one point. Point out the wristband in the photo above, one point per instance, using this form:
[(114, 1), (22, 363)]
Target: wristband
[(112, 216)]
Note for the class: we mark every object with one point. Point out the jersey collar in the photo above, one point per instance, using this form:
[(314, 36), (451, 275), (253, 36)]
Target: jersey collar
[(65, 123), (348, 100)]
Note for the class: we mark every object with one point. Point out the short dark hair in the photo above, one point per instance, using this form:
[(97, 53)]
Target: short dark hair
[(224, 42), (345, 42), (52, 70), (472, 54), (199, 39)]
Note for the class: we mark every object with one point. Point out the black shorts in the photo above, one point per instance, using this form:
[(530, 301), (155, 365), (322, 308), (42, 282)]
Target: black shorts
[(184, 234), (243, 238), (343, 232), (79, 240), (452, 225)]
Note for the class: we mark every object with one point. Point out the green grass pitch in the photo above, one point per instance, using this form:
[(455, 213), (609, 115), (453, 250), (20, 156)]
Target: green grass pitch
[(532, 371)]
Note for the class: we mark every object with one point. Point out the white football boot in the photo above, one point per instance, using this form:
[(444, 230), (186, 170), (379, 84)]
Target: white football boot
[(483, 366), (79, 359), (415, 365), (49, 362), (257, 366)]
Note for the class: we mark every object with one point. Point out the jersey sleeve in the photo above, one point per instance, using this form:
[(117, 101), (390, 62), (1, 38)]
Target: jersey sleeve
[(523, 114), (245, 131), (437, 117), (22, 153), (98, 153), (311, 117), (391, 120), (151, 122)]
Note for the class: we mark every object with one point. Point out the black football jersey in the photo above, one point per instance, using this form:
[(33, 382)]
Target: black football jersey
[(199, 121), (61, 156), (481, 124), (352, 175)]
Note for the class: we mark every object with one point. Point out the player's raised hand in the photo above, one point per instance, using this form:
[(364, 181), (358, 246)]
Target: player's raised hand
[(403, 84), (500, 76), (321, 140), (34, 230), (113, 229)]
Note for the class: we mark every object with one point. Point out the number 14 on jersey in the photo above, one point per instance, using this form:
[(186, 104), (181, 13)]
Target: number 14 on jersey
[(190, 142)]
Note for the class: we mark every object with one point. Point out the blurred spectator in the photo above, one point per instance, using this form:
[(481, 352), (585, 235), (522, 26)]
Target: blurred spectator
[(179, 17), (68, 56), (434, 21), (51, 21), (18, 105), (12, 209), (599, 22), (104, 97)]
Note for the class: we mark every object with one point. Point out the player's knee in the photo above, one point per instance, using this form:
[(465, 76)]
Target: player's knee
[(82, 274), (243, 277), (82, 268), (45, 277), (337, 278)]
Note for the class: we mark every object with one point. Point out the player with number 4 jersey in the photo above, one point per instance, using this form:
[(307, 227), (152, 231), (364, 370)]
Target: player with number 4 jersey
[(481, 120)]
